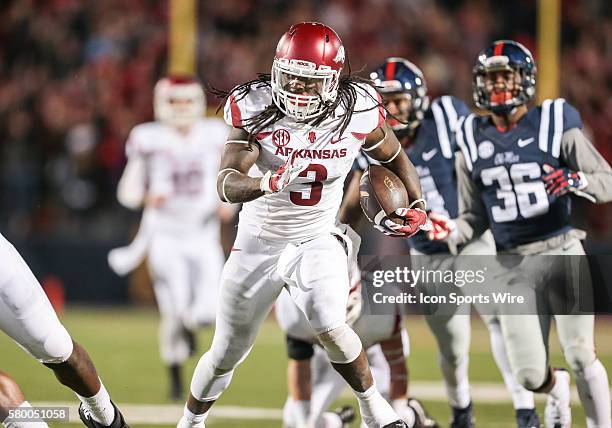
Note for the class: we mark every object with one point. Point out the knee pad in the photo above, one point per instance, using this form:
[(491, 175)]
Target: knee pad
[(209, 382), (531, 379), (299, 349), (579, 356), (58, 346), (342, 344)]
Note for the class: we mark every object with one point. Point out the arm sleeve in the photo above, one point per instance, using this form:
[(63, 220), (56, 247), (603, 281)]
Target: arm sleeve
[(473, 219), (579, 154)]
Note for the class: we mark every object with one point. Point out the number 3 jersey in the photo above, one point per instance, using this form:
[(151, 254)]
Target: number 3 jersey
[(308, 207), (506, 168), (182, 169)]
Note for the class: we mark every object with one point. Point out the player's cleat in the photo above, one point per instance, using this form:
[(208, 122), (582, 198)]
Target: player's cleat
[(346, 415), (397, 424), (527, 418), (422, 419), (557, 413), (463, 418), (118, 421)]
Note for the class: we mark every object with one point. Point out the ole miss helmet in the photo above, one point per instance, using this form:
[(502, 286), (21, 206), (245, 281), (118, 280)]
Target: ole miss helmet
[(400, 76), (306, 70), (504, 55), (178, 100)]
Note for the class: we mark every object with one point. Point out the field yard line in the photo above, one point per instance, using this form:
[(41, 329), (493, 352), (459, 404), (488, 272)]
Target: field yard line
[(164, 414)]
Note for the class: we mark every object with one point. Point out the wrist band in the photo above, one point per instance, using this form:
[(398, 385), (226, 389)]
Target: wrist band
[(416, 201)]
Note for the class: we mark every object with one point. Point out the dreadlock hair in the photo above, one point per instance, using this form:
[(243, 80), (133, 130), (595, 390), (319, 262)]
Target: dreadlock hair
[(347, 98)]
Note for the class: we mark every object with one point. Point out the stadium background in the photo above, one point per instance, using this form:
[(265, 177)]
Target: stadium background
[(76, 76)]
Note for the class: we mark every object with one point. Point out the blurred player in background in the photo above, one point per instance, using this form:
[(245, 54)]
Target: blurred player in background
[(517, 170), (171, 170), (294, 138), (426, 131), (313, 384), (26, 315)]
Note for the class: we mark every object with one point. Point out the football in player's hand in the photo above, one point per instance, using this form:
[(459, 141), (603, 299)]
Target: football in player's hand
[(381, 190)]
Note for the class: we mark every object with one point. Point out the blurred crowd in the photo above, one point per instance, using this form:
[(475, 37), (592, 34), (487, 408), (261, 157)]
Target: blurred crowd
[(75, 76)]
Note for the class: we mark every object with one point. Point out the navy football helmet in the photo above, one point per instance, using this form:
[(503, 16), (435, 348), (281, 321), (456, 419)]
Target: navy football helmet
[(504, 55), (398, 76)]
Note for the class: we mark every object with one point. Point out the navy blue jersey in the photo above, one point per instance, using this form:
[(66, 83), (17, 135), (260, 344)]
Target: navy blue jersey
[(507, 168), (433, 154)]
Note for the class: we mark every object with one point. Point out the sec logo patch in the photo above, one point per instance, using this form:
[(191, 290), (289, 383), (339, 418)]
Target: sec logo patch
[(281, 137), (486, 149)]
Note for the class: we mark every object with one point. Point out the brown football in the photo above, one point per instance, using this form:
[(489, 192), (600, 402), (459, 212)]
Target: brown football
[(380, 189)]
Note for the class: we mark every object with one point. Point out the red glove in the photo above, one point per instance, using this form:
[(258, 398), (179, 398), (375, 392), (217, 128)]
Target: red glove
[(274, 182), (413, 220), (442, 227), (560, 181)]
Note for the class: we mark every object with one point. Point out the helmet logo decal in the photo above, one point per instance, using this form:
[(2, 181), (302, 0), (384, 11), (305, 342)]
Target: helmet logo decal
[(281, 137), (340, 55)]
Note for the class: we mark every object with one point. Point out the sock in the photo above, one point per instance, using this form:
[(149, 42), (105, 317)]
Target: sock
[(30, 424), (301, 412), (521, 398), (456, 382), (375, 411), (594, 392), (557, 390), (404, 411), (191, 420), (99, 406)]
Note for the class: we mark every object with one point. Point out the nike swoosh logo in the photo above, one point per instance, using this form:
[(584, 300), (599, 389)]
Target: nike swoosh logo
[(427, 156), (337, 140), (523, 143)]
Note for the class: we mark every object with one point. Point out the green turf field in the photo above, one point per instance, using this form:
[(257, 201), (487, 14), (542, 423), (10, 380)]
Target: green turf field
[(123, 344)]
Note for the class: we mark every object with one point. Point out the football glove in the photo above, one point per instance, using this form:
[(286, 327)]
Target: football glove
[(413, 220), (560, 181), (443, 228), (274, 182)]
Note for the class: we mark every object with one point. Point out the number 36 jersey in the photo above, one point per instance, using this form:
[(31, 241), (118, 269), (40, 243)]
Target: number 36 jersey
[(308, 207), (507, 169)]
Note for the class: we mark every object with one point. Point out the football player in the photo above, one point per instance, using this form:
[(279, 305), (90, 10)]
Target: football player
[(27, 317), (171, 170), (295, 135), (313, 384), (426, 131), (518, 167)]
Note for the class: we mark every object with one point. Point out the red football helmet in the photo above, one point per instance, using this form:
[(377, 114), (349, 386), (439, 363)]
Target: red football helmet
[(178, 101), (306, 69)]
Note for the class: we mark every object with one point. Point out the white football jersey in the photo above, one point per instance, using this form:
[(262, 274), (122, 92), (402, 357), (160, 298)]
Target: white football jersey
[(183, 169), (309, 206)]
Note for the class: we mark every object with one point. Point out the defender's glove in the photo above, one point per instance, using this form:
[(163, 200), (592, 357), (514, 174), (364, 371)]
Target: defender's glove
[(413, 220), (274, 182), (442, 227), (560, 181)]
